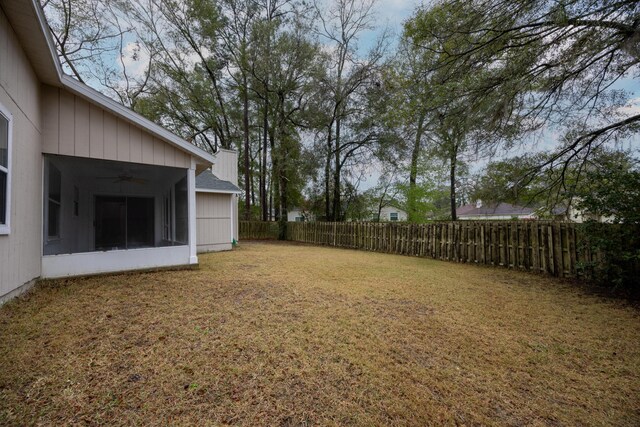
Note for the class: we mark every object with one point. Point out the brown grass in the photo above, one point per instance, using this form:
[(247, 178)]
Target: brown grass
[(275, 334)]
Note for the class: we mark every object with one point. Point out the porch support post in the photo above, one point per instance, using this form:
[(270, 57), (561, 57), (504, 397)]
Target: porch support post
[(231, 199), (191, 184)]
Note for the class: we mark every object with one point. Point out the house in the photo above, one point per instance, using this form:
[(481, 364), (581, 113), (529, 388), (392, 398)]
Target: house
[(299, 215), (494, 211), (88, 186), (574, 214), (392, 213)]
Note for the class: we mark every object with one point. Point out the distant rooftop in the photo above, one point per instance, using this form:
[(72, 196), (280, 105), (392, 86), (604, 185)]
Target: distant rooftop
[(494, 209)]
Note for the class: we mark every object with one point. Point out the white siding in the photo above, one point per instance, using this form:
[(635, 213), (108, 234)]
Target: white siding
[(226, 166), (213, 221), (20, 93), (385, 213), (74, 127)]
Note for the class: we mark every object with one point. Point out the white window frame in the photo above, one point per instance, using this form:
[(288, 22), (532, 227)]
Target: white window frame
[(6, 227), (397, 216)]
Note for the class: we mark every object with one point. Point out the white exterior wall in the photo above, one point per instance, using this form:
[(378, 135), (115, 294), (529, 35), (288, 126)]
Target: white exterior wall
[(55, 266), (226, 166), (293, 214), (215, 221), (20, 94), (226, 169), (385, 213), (74, 127)]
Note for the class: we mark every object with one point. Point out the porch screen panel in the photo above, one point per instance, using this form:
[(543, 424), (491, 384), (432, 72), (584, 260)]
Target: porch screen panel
[(182, 211), (139, 222), (54, 202), (111, 226)]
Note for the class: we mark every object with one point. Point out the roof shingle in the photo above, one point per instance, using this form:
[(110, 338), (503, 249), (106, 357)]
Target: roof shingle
[(208, 181)]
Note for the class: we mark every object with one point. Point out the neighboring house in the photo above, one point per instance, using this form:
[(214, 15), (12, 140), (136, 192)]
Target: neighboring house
[(495, 211), (86, 185), (392, 213), (299, 215), (574, 214)]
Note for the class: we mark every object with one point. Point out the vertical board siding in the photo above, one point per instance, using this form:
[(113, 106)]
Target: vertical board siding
[(135, 144), (225, 166), (110, 129), (20, 93), (158, 151), (73, 126), (67, 123), (50, 119), (147, 148), (82, 123), (123, 150), (213, 219), (544, 247), (96, 132)]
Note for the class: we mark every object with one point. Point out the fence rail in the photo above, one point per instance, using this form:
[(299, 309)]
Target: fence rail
[(547, 247)]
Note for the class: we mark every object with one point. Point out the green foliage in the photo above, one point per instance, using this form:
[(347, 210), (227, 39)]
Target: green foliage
[(523, 65), (617, 259), (611, 188), (605, 187)]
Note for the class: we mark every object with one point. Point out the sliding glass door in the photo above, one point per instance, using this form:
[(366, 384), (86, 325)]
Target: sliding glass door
[(124, 222)]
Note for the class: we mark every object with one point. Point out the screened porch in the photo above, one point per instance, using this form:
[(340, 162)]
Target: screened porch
[(119, 210)]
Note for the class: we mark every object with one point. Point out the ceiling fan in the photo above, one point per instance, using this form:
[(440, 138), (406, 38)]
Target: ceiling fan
[(125, 177)]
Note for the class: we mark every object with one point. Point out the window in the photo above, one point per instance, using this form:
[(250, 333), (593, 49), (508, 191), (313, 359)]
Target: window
[(53, 203), (299, 219), (5, 169), (393, 216), (181, 211)]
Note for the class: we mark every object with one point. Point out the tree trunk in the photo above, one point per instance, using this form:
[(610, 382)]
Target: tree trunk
[(327, 176), (263, 173), (284, 164), (275, 176), (284, 201), (337, 214), (454, 161), (413, 173), (247, 163)]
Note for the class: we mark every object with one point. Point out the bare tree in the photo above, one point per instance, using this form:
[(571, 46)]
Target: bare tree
[(340, 24)]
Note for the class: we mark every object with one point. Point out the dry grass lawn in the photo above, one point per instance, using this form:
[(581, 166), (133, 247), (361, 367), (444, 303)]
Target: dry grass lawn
[(281, 334)]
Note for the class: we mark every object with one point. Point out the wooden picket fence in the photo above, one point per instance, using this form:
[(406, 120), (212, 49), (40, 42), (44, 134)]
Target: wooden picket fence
[(540, 246), (258, 230)]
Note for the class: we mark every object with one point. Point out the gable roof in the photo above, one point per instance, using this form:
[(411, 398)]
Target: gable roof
[(494, 209), (29, 23), (207, 182)]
